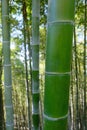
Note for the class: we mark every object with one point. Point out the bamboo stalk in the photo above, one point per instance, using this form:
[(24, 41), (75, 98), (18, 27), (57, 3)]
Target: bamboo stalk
[(77, 85), (85, 38), (7, 65), (35, 63), (58, 63), (26, 65)]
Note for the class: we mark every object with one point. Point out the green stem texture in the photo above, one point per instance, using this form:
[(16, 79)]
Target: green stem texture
[(58, 63), (7, 65), (35, 63)]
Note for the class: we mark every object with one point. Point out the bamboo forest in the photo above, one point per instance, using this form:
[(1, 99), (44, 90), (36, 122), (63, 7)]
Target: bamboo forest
[(43, 64)]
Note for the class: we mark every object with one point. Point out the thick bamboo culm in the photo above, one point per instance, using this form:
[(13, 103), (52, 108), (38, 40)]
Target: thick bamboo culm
[(35, 63), (58, 63), (7, 64)]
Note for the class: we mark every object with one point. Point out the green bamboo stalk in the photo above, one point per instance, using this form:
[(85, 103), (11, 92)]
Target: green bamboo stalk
[(35, 63), (26, 74), (58, 63), (7, 65)]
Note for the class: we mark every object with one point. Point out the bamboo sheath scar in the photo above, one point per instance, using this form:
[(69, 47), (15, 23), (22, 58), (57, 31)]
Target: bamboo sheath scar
[(62, 21), (8, 86), (35, 91), (7, 65), (5, 42), (57, 73), (55, 119), (10, 106), (9, 124), (35, 44)]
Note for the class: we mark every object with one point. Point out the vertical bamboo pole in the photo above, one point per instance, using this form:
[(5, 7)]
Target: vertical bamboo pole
[(7, 64), (85, 44), (1, 90), (1, 97), (25, 22), (35, 62), (58, 63), (76, 81)]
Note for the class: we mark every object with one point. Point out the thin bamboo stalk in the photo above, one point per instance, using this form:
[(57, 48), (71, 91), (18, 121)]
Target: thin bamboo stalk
[(26, 65), (58, 63), (76, 79), (85, 38), (35, 63), (7, 65)]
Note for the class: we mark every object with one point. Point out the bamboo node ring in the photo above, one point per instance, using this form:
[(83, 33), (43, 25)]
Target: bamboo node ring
[(5, 41), (9, 124), (7, 65), (35, 92), (8, 86), (62, 21), (5, 15), (58, 73), (8, 106), (55, 119)]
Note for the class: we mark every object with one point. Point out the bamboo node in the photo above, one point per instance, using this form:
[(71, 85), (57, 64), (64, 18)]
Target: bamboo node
[(62, 21), (8, 106), (8, 86), (34, 69), (58, 73), (35, 92), (7, 65), (9, 124), (5, 15), (35, 113), (35, 44), (5, 41), (55, 119)]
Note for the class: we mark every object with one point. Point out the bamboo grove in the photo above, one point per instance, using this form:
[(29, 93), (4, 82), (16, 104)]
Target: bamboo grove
[(43, 65)]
